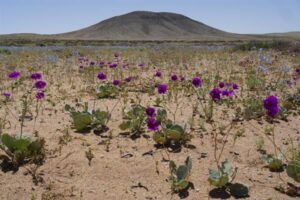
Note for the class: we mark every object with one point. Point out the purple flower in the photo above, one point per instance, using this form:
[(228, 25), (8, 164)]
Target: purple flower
[(221, 84), (228, 84), (162, 88), (101, 63), (158, 74), (225, 93), (235, 86), (116, 82), (231, 93), (215, 94), (174, 77), (101, 76), (128, 79), (141, 65), (6, 94), (113, 65), (36, 76), (150, 112), (271, 105), (14, 75), (182, 78), (40, 95), (81, 67), (298, 70), (197, 82), (152, 124), (116, 55), (40, 85), (92, 63)]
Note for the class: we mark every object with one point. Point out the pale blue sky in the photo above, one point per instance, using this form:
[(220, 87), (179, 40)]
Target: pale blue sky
[(239, 16)]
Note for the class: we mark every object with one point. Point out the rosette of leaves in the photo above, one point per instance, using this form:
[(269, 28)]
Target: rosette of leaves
[(170, 134), (88, 119), (22, 150), (223, 178), (134, 120), (275, 164), (107, 91), (179, 175)]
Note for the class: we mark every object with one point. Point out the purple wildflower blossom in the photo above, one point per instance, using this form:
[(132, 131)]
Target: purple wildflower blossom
[(271, 105), (36, 76), (235, 86), (174, 77), (116, 82), (6, 94), (14, 75), (128, 79), (162, 88), (150, 111), (182, 78), (40, 85), (197, 82), (221, 84), (40, 95), (215, 94), (101, 76), (158, 74), (152, 124)]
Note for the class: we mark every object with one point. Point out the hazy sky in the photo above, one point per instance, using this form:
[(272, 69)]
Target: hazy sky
[(240, 16)]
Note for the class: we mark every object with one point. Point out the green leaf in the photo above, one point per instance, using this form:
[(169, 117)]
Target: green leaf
[(181, 185), (293, 170), (125, 125), (182, 172), (216, 179), (82, 121), (238, 190), (188, 163), (172, 167), (226, 166), (159, 138), (174, 132), (8, 141)]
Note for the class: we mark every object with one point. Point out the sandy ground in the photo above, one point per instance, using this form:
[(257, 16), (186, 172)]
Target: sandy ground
[(123, 170)]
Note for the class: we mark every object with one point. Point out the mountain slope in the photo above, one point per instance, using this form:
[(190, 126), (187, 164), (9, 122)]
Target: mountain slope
[(141, 25)]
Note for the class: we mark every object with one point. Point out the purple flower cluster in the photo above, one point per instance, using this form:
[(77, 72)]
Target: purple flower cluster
[(197, 82), (36, 76), (150, 111), (271, 106), (174, 77), (40, 85), (215, 94), (101, 76), (116, 82), (14, 75), (298, 70), (6, 94), (128, 79), (157, 74), (162, 88), (152, 123), (40, 95)]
